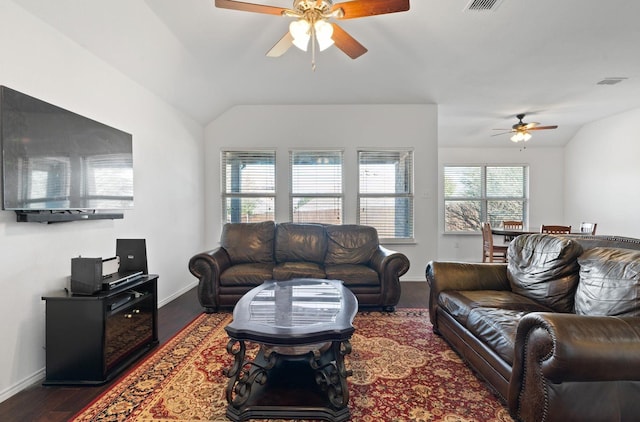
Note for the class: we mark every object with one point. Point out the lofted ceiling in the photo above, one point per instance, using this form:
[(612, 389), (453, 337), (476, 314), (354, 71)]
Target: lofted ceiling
[(543, 57)]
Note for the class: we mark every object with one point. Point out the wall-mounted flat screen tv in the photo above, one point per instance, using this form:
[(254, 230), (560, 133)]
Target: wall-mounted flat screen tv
[(56, 160)]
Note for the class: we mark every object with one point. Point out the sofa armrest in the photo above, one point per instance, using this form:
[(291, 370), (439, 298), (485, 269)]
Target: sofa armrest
[(390, 266), (207, 267), (555, 348), (443, 276)]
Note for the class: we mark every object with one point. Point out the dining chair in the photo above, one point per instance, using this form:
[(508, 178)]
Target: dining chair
[(511, 225), (555, 229), (588, 228), (490, 252)]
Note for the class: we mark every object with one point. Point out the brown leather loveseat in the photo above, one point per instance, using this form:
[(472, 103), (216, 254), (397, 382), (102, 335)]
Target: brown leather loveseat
[(251, 253), (555, 332)]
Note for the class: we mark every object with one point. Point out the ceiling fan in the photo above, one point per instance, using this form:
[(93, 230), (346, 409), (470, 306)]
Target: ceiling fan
[(521, 129), (312, 22)]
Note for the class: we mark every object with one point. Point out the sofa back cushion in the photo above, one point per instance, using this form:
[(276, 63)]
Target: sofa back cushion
[(248, 242), (300, 242), (545, 268), (609, 282), (350, 244)]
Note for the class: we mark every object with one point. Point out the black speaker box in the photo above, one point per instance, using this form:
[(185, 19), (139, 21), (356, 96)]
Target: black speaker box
[(86, 275)]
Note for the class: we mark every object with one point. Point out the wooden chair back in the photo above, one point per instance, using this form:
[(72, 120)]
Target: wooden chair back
[(588, 227), (555, 229), (511, 225), (490, 252)]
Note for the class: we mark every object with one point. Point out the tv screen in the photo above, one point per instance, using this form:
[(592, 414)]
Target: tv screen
[(54, 159)]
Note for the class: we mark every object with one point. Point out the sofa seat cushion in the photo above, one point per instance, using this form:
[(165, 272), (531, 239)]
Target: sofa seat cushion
[(350, 244), (497, 329), (248, 242), (291, 270), (353, 275), (253, 274), (545, 268), (460, 303), (609, 282), (300, 242)]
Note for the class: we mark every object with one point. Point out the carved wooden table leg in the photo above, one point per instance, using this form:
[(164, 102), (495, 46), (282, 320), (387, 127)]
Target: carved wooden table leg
[(331, 373), (244, 373)]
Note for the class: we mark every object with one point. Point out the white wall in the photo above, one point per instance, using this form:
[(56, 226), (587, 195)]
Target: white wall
[(602, 165), (546, 190), (168, 170), (337, 126)]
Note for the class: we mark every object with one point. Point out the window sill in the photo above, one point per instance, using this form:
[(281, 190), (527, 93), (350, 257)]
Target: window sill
[(403, 241)]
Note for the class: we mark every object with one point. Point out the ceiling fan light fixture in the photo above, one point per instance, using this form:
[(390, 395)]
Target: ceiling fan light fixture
[(324, 32), (299, 30), (521, 136)]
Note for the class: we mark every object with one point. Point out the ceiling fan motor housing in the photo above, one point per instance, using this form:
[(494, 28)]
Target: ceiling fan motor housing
[(304, 5)]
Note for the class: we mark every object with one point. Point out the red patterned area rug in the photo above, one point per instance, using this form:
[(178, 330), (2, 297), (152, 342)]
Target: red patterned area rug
[(401, 372)]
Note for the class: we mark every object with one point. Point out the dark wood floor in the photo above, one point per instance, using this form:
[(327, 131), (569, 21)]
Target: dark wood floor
[(60, 403)]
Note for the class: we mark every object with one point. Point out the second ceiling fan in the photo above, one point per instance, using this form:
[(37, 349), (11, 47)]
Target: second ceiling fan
[(313, 22), (521, 129)]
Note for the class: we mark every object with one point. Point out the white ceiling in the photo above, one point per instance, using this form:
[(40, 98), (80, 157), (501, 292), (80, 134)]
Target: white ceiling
[(542, 57)]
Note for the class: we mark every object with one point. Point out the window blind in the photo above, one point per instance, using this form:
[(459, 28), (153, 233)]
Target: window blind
[(385, 193), (248, 185), (316, 186)]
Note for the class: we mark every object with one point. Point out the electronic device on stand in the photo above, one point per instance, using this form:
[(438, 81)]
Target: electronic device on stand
[(92, 275)]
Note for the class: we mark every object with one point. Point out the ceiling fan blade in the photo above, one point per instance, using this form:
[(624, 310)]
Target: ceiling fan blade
[(345, 42), (281, 46), (501, 133), (543, 127), (250, 7), (362, 8), (527, 126)]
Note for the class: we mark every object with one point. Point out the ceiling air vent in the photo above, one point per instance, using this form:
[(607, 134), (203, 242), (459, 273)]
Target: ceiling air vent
[(611, 80), (482, 5)]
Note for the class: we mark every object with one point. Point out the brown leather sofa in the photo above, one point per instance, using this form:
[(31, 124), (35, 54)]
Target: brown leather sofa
[(555, 332), (251, 253)]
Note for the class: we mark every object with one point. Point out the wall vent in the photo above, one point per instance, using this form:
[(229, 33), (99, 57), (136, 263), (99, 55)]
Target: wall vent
[(482, 5)]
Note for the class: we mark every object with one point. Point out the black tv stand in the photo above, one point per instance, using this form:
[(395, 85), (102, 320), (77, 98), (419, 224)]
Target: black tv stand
[(49, 217), (92, 339)]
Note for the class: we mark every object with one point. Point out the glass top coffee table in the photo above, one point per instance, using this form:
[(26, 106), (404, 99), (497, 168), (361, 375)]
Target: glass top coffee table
[(303, 328)]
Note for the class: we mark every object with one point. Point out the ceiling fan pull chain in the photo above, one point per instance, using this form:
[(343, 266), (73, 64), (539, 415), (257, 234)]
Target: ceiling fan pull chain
[(313, 45)]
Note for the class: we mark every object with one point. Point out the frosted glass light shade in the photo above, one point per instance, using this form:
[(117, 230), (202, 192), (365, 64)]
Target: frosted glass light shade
[(299, 30), (324, 32), (521, 136)]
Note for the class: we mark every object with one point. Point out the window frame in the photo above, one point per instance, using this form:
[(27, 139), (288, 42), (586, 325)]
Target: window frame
[(408, 194), (336, 195), (268, 194), (484, 199)]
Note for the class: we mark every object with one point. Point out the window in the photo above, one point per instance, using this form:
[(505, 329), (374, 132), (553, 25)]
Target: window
[(385, 193), (316, 186), (473, 194), (248, 186)]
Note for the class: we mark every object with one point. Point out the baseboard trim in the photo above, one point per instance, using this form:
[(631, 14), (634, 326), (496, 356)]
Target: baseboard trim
[(177, 294), (34, 378)]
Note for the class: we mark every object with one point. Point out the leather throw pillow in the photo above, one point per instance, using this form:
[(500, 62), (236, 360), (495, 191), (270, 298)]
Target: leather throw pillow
[(544, 268), (609, 282)]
